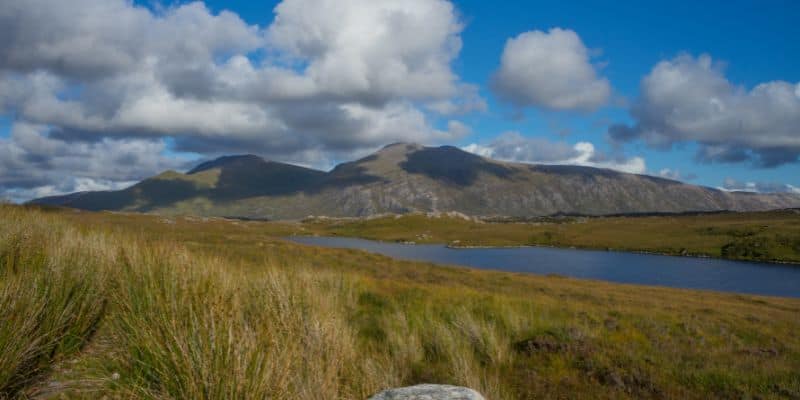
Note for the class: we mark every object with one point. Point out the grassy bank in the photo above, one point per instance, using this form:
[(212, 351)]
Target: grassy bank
[(136, 306), (756, 236)]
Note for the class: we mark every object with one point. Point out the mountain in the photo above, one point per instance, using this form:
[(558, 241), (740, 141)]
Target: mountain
[(403, 178)]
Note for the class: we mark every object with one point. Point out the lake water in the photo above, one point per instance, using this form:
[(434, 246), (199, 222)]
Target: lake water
[(682, 272)]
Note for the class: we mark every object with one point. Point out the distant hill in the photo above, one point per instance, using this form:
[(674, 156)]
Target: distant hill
[(403, 178)]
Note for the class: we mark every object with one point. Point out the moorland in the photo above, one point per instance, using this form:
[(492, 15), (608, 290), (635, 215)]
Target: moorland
[(145, 306)]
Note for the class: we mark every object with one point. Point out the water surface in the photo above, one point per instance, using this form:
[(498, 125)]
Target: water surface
[(646, 269)]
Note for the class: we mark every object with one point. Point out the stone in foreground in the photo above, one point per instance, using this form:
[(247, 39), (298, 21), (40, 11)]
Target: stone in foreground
[(428, 392)]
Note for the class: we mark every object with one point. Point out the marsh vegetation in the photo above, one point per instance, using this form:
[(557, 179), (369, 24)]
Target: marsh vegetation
[(137, 306)]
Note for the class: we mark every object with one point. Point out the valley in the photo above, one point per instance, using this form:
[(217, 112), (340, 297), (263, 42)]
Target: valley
[(130, 293)]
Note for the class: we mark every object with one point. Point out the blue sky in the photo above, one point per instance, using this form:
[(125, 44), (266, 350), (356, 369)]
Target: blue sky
[(750, 43), (753, 38)]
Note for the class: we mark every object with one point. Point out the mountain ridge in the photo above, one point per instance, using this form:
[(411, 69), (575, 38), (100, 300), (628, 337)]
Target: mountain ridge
[(407, 177)]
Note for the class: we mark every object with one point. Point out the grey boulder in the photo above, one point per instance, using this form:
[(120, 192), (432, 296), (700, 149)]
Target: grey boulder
[(428, 392)]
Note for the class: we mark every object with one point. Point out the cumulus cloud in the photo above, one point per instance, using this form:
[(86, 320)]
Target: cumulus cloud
[(325, 77), (731, 184), (33, 164), (689, 99), (552, 70), (377, 49), (512, 146)]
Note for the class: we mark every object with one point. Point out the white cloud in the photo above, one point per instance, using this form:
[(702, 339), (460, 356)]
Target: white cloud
[(32, 164), (326, 78), (372, 48), (512, 146), (731, 184), (550, 70), (689, 99), (172, 83), (95, 39)]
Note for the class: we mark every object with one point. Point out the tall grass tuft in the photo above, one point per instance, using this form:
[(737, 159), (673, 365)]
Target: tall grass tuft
[(201, 329), (50, 306)]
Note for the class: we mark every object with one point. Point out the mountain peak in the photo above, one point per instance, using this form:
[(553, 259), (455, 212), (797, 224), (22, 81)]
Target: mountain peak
[(400, 147), (401, 144), (241, 159), (405, 177), (406, 148)]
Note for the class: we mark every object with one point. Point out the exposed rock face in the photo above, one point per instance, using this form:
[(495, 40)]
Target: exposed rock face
[(428, 392), (404, 178)]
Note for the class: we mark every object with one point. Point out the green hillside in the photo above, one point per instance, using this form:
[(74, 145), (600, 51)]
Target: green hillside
[(404, 178)]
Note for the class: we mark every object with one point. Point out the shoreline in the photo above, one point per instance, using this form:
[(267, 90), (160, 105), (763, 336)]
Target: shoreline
[(565, 247), (647, 252), (686, 267)]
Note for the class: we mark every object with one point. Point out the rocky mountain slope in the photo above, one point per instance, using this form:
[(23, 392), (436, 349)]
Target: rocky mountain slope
[(403, 178)]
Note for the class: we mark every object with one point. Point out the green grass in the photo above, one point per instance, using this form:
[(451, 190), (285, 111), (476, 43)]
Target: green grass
[(758, 236), (150, 307)]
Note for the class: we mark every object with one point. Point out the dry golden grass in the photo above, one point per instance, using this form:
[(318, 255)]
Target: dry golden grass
[(161, 308)]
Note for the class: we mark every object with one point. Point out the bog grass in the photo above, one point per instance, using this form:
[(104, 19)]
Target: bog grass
[(145, 307), (48, 309)]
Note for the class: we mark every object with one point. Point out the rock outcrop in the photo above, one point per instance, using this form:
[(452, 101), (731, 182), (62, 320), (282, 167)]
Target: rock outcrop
[(428, 392)]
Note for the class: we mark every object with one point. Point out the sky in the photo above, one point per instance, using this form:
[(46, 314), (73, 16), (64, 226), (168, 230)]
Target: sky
[(98, 94)]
